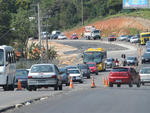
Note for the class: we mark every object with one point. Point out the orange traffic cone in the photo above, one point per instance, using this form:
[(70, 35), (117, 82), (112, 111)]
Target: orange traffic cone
[(103, 79), (19, 87), (71, 83), (93, 83), (107, 82)]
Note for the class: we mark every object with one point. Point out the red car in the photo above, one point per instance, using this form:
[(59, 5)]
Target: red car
[(92, 67), (112, 38), (124, 75), (74, 36)]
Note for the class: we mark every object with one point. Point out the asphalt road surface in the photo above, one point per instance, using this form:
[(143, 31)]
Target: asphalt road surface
[(98, 100)]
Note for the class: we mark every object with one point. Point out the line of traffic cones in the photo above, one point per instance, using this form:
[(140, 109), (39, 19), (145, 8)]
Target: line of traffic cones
[(93, 83), (105, 81), (71, 83), (19, 86)]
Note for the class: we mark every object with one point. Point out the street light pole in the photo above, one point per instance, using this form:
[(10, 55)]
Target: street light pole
[(82, 13), (39, 31)]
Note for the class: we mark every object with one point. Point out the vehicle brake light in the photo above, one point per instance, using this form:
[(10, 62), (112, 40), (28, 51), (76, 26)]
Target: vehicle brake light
[(54, 76), (29, 76)]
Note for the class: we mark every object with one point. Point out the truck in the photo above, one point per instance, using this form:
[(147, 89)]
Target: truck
[(91, 33)]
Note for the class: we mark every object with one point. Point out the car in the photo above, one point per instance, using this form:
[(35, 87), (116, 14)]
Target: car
[(148, 50), (45, 35), (147, 44), (145, 58), (122, 37), (76, 75), (65, 76), (134, 39), (44, 75), (110, 62), (123, 75), (128, 38), (145, 75), (71, 67), (62, 37), (92, 67), (112, 38), (55, 34), (22, 76), (132, 60), (84, 68), (74, 36)]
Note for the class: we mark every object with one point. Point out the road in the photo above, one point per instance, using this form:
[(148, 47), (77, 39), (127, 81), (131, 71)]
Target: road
[(98, 100), (82, 99)]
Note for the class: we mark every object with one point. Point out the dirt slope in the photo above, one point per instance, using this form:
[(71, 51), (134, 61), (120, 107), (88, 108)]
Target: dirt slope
[(116, 26)]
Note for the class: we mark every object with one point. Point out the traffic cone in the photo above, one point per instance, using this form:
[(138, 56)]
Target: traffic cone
[(19, 87), (107, 82), (71, 83), (103, 79), (93, 83)]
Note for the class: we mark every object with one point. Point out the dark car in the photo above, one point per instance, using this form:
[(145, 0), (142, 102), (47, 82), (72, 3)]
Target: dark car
[(124, 75), (145, 57), (84, 68), (132, 60), (22, 76), (65, 76)]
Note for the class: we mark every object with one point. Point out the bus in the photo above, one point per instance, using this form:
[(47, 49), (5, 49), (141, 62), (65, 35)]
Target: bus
[(7, 67), (97, 55), (144, 37)]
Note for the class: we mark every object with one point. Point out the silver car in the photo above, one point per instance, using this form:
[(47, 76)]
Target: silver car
[(132, 60), (145, 75), (110, 63), (44, 75)]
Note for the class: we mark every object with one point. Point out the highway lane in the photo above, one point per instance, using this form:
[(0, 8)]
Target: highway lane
[(98, 100)]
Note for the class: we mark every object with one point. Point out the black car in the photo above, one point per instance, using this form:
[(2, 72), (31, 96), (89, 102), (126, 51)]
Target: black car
[(65, 76), (84, 68), (22, 76), (145, 57)]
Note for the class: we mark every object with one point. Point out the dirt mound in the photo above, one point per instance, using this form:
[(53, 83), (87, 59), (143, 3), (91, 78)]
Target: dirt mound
[(116, 26)]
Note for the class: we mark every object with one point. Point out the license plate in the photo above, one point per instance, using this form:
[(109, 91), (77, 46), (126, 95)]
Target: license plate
[(41, 81), (118, 80)]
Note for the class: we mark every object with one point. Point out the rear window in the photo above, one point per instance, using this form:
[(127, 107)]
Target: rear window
[(42, 68), (74, 71), (145, 71), (120, 70)]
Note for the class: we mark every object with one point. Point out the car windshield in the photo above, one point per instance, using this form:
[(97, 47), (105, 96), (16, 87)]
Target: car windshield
[(148, 50), (21, 73), (82, 66), (42, 68), (93, 57), (120, 70), (1, 57), (91, 65), (74, 71), (62, 70), (109, 60), (145, 71), (146, 55), (130, 58)]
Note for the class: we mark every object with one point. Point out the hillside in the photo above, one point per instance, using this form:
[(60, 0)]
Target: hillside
[(117, 26)]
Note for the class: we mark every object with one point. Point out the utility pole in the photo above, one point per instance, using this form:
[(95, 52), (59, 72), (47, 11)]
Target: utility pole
[(39, 32), (82, 13)]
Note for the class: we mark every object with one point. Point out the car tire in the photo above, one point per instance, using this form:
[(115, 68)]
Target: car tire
[(118, 85), (96, 73), (60, 87), (88, 77), (110, 84), (143, 83), (55, 87), (29, 88), (138, 84), (80, 81), (34, 89)]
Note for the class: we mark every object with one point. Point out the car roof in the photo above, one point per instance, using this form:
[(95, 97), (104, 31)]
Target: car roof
[(42, 64)]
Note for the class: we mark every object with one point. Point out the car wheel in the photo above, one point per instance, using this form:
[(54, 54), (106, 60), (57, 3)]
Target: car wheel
[(143, 83), (81, 81), (12, 87), (56, 87), (110, 84), (96, 73), (88, 77), (34, 89), (118, 85), (137, 64), (138, 84), (60, 87), (29, 88)]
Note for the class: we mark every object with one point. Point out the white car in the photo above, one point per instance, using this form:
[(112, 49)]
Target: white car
[(76, 75), (44, 75), (62, 37), (145, 75), (122, 37), (134, 39)]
